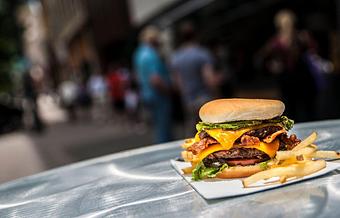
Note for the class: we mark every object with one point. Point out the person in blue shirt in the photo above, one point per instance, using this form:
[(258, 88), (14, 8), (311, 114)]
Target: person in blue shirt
[(154, 81), (192, 66)]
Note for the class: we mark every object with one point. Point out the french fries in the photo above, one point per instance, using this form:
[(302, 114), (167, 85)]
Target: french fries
[(288, 162), (306, 152), (307, 141), (188, 142), (187, 156), (283, 179), (293, 170), (188, 170), (313, 146), (296, 163), (326, 154)]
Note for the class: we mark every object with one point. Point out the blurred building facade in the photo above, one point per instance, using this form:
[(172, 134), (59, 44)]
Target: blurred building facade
[(84, 32)]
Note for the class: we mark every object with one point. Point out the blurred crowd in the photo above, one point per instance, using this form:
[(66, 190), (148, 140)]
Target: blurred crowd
[(167, 90), (198, 74), (156, 90), (100, 96)]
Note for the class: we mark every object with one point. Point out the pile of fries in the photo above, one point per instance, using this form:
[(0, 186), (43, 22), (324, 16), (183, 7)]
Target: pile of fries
[(303, 160)]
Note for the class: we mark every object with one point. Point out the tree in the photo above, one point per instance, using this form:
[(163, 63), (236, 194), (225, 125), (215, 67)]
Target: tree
[(10, 43)]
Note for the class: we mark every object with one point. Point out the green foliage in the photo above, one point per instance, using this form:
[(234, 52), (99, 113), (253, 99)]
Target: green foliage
[(10, 42)]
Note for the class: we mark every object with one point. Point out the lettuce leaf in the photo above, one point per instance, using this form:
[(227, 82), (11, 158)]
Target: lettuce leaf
[(264, 165), (202, 172), (234, 125)]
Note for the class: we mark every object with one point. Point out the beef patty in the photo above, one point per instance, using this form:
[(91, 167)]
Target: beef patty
[(235, 156)]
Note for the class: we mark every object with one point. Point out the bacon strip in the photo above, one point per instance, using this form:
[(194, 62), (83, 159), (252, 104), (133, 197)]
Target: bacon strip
[(198, 147), (247, 140), (273, 136)]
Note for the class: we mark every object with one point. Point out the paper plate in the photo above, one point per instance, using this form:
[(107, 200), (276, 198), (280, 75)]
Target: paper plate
[(218, 188)]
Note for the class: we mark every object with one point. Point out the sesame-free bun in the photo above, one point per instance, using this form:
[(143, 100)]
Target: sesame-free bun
[(239, 171), (235, 109)]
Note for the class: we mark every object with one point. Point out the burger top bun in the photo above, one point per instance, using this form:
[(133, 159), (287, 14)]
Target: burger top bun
[(236, 109)]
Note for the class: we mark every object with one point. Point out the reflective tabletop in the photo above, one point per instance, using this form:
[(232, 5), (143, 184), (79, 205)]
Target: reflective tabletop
[(142, 183)]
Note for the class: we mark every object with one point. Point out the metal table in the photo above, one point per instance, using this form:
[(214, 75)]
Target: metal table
[(142, 183)]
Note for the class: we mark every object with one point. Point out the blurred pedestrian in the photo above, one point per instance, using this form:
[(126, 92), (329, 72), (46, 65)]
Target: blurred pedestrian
[(68, 91), (31, 96), (84, 100), (116, 80), (194, 74), (286, 55), (224, 88), (132, 101), (154, 80), (97, 88)]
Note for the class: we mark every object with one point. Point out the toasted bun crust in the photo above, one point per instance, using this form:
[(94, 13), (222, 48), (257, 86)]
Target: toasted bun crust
[(235, 109), (239, 172)]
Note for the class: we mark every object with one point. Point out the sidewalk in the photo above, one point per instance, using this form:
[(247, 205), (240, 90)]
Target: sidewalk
[(18, 157), (24, 153)]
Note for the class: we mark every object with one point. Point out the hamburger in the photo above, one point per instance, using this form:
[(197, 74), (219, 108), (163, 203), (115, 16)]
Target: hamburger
[(237, 137)]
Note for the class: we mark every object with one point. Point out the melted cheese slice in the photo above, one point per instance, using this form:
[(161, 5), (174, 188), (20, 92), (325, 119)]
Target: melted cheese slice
[(197, 137), (268, 148), (228, 138)]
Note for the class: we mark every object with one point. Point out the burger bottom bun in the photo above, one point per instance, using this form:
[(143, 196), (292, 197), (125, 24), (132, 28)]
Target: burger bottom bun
[(239, 172)]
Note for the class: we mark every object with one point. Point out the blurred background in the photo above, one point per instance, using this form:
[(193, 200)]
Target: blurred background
[(85, 78)]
